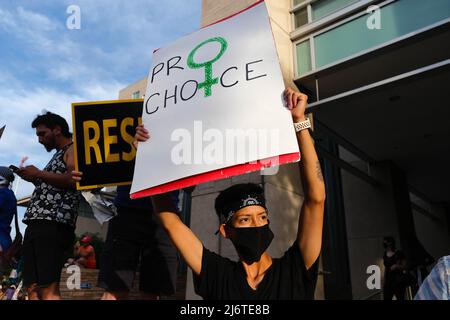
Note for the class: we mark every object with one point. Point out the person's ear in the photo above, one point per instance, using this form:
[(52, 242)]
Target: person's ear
[(223, 231), (56, 130)]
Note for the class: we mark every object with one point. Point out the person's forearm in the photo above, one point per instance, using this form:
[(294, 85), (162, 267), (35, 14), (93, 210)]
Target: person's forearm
[(165, 209), (186, 242), (310, 171), (310, 225), (58, 180)]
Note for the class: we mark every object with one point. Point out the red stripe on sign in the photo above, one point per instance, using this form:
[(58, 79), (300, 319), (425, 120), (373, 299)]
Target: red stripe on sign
[(217, 175)]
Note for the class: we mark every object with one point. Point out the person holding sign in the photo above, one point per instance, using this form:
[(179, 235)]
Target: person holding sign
[(245, 221)]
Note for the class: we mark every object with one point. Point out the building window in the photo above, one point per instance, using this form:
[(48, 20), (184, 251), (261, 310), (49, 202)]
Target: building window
[(300, 12), (304, 64), (301, 17), (352, 37), (323, 8), (399, 18), (317, 8), (135, 95)]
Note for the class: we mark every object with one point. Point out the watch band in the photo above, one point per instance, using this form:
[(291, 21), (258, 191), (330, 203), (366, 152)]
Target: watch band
[(299, 126)]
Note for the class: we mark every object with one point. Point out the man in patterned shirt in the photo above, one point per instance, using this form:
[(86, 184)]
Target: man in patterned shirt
[(52, 212)]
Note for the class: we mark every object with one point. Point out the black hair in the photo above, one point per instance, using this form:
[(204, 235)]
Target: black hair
[(7, 173), (228, 197), (51, 120)]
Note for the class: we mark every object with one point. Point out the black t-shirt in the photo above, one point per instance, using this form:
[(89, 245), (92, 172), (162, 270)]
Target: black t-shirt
[(286, 279)]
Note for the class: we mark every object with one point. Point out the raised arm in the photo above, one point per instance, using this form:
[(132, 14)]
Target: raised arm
[(186, 242), (310, 225)]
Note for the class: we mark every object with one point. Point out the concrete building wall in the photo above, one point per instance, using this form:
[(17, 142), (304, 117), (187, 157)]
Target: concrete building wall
[(214, 10), (281, 22), (127, 93), (370, 215), (90, 225), (431, 228)]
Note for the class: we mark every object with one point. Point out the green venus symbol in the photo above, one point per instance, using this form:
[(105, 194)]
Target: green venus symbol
[(209, 80)]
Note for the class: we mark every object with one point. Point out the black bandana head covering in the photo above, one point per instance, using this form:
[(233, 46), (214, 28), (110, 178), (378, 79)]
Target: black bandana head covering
[(237, 197)]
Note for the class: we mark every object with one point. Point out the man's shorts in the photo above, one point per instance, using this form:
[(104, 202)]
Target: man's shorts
[(136, 239), (44, 245)]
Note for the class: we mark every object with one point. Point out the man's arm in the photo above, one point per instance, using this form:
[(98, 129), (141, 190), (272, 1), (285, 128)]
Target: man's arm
[(186, 242), (59, 180), (310, 225)]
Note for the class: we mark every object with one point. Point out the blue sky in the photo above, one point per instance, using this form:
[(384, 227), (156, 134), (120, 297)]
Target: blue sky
[(44, 65)]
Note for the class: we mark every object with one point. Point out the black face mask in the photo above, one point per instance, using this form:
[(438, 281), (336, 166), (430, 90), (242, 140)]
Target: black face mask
[(250, 243)]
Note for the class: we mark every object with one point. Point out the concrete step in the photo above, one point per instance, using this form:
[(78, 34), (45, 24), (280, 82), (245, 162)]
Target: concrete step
[(90, 291)]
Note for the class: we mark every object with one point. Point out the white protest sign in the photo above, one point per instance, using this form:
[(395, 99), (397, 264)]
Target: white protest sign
[(214, 101)]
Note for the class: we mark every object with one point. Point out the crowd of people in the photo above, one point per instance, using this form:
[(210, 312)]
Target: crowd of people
[(148, 234)]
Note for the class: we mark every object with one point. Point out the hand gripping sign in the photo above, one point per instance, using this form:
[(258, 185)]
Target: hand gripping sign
[(214, 107)]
